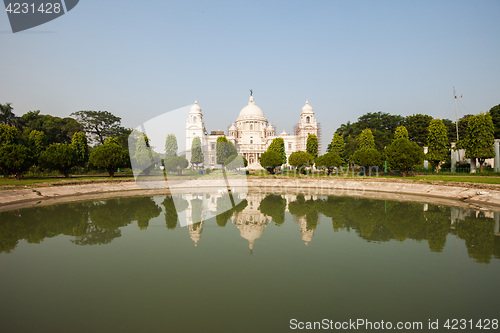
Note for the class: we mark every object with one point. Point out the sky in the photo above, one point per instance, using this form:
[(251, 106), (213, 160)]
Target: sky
[(140, 59)]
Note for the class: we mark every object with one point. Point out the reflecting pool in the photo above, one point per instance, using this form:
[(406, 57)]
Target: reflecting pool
[(127, 265)]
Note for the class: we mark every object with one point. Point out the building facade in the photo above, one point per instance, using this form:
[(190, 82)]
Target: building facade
[(251, 133)]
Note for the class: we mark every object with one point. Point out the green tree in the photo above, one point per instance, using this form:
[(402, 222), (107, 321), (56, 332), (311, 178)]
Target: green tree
[(367, 158), (224, 149), (312, 145), (171, 146), (235, 162), (495, 117), (337, 145), (401, 133), (81, 147), (37, 141), (270, 160), (404, 155), (417, 128), (479, 138), (277, 145), (7, 117), (8, 135), (382, 126), (143, 158), (16, 159), (300, 160), (57, 130), (176, 164), (366, 140), (329, 161), (196, 152), (59, 156), (437, 140), (109, 156), (99, 124)]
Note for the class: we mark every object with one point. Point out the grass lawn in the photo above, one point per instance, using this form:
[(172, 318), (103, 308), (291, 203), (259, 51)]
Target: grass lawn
[(463, 179), (10, 183)]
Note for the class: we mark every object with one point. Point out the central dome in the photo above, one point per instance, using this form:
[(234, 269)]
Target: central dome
[(251, 111)]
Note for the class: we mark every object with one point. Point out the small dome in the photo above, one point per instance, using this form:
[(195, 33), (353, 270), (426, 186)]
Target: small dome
[(195, 108), (270, 127), (307, 108), (232, 128), (283, 133), (251, 111)]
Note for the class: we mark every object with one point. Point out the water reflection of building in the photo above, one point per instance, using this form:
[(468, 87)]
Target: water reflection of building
[(195, 232), (251, 222), (307, 234)]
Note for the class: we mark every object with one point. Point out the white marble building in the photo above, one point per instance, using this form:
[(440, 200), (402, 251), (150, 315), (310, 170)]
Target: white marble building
[(251, 133)]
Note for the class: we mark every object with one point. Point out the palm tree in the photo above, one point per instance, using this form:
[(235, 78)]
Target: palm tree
[(6, 115)]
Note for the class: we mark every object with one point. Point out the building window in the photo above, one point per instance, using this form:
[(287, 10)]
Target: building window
[(213, 146), (308, 120), (289, 145), (251, 127), (251, 141)]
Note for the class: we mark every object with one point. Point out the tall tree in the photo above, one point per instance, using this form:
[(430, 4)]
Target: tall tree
[(366, 140), (367, 158), (57, 130), (7, 117), (224, 149), (401, 133), (312, 145), (81, 147), (176, 163), (479, 138), (99, 124), (417, 128), (8, 135), (59, 156), (171, 146), (329, 161), (196, 152), (337, 145), (437, 141), (109, 156), (143, 158), (300, 160), (403, 155), (495, 117), (270, 160), (277, 145), (15, 158)]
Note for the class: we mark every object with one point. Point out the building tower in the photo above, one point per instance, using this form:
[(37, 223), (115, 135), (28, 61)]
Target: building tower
[(307, 125), (195, 127)]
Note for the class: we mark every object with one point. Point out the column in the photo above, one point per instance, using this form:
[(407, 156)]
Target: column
[(496, 147), (454, 157), (426, 163)]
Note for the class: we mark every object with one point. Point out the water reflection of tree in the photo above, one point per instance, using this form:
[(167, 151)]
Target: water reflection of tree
[(36, 224), (437, 227), (302, 207), (93, 235), (172, 207), (146, 210), (274, 206), (225, 209), (113, 214), (478, 235)]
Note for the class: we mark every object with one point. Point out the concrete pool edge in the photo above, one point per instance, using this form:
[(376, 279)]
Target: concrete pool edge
[(463, 194)]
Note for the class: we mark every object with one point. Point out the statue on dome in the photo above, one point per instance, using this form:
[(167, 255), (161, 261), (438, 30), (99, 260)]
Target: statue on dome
[(251, 92)]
